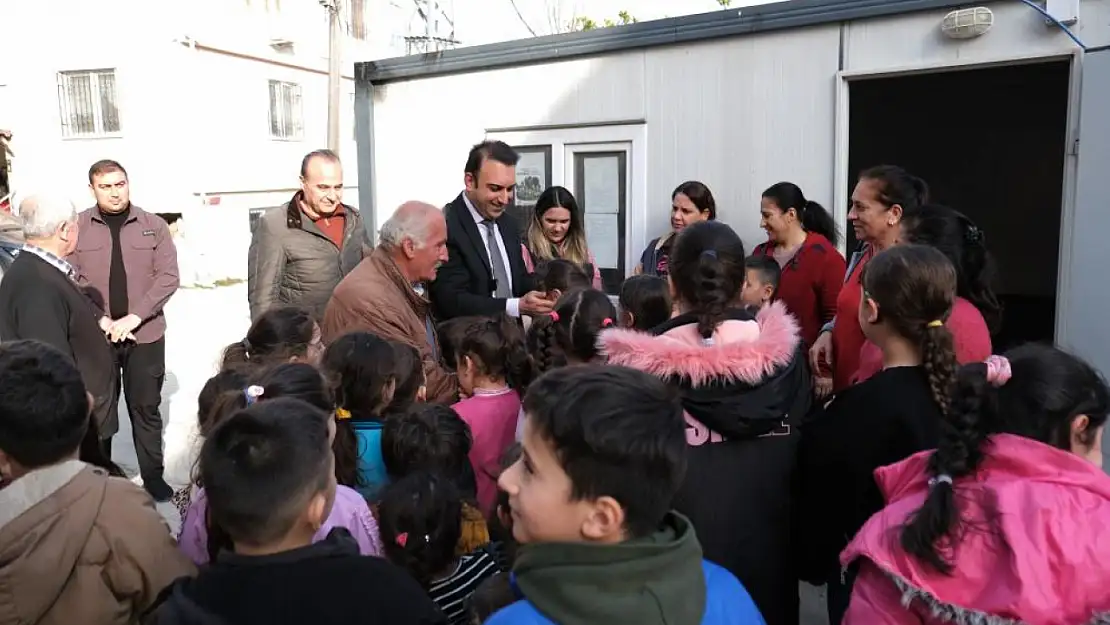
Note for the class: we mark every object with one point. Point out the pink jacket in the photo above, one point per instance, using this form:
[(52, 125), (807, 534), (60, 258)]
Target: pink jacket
[(1044, 559)]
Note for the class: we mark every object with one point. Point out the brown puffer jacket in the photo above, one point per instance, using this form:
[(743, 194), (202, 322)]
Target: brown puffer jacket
[(292, 262), (78, 546)]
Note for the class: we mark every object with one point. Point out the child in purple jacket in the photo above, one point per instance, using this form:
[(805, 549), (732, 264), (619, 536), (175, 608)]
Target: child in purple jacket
[(200, 541)]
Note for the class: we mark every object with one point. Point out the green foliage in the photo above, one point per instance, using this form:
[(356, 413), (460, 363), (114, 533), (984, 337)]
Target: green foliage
[(586, 23), (724, 3)]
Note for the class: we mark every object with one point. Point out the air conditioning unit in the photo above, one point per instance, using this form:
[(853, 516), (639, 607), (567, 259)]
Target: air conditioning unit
[(281, 36)]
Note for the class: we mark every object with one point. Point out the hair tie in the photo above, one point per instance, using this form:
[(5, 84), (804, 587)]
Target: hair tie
[(402, 539), (710, 253), (342, 414), (943, 478), (554, 316), (973, 234), (606, 322), (246, 348), (998, 370), (252, 393), (936, 323)]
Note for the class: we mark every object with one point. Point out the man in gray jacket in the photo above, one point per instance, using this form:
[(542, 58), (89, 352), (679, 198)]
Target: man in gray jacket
[(300, 251)]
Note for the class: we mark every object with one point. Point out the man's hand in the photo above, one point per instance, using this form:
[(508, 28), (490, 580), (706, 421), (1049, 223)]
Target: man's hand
[(106, 324), (123, 328), (535, 303)]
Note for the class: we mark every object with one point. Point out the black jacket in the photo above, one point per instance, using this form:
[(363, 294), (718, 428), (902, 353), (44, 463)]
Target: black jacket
[(327, 583), (37, 301), (464, 285), (745, 396)]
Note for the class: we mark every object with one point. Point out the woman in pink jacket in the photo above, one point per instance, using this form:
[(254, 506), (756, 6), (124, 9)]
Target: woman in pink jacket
[(1008, 521)]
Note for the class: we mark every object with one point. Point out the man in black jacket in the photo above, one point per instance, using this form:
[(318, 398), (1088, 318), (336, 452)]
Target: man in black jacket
[(485, 273), (40, 300)]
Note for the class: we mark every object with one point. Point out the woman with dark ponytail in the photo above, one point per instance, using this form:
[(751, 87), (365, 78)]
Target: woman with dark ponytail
[(976, 313), (802, 237), (1006, 522), (884, 196), (908, 293), (744, 386)]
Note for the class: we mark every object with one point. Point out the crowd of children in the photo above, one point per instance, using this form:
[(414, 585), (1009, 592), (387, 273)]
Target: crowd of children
[(661, 462)]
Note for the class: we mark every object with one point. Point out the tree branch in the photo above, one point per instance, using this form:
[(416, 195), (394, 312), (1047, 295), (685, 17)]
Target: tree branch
[(521, 17)]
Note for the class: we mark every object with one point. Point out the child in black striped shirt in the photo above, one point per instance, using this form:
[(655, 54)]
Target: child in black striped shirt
[(420, 517)]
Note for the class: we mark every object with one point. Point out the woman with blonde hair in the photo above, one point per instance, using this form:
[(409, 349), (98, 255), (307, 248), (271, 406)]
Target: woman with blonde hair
[(556, 232)]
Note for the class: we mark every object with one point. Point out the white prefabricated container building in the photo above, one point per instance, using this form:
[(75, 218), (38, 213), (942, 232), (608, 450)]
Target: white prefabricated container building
[(1011, 126)]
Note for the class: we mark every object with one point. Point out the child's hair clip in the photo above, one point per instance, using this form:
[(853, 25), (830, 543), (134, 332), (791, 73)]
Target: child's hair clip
[(554, 316), (252, 393), (402, 539), (342, 414), (606, 322)]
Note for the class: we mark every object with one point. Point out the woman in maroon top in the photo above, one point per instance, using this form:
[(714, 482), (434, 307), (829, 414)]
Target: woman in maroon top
[(883, 196), (802, 237)]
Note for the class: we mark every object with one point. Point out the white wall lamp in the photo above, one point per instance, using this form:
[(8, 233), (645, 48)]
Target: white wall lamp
[(967, 23)]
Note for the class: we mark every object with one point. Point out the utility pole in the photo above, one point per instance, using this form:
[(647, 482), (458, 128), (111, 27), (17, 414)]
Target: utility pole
[(335, 66)]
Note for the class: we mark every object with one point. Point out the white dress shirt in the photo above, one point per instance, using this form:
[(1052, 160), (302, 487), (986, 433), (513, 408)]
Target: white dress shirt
[(512, 305)]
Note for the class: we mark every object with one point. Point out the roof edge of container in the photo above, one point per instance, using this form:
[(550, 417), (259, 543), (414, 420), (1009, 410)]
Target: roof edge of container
[(670, 31)]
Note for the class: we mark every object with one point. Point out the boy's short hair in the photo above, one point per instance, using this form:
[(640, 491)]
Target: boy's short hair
[(617, 432), (768, 269), (262, 466), (429, 437), (44, 411)]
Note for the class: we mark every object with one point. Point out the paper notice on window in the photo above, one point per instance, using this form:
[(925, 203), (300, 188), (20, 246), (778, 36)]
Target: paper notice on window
[(602, 184), (603, 238)]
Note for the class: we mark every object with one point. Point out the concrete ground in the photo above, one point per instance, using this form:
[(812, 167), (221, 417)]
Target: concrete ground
[(201, 323)]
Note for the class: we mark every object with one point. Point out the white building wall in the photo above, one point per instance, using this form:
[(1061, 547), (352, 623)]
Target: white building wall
[(738, 114), (194, 118)]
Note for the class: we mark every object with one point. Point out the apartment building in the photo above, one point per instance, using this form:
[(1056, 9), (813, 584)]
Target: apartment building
[(209, 104)]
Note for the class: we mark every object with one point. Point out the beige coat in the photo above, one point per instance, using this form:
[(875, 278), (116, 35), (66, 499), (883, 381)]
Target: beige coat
[(376, 298), (78, 546)]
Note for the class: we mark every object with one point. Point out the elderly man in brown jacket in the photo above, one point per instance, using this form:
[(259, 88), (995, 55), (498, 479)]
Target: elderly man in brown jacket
[(385, 294)]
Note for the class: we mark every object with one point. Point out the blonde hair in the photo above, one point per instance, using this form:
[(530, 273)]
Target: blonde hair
[(574, 246)]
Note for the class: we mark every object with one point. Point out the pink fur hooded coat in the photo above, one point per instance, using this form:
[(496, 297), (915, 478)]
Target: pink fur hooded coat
[(744, 391)]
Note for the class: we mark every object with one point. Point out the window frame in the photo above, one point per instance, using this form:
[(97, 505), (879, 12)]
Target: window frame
[(67, 105), (277, 91)]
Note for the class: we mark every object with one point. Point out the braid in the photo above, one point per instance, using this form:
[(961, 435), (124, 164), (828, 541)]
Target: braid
[(939, 360), (964, 431), (543, 345), (712, 294)]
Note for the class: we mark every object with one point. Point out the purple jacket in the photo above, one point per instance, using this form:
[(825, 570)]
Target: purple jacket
[(349, 512), (149, 256)]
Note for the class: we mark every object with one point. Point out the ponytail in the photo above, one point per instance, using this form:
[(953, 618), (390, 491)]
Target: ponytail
[(713, 294), (544, 344), (816, 219), (938, 356), (235, 354), (964, 431)]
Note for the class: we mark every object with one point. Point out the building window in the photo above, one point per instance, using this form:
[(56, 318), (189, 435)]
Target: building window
[(285, 110), (87, 103), (356, 19)]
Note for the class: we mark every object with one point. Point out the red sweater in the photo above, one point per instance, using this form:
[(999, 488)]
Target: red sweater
[(970, 337), (810, 283)]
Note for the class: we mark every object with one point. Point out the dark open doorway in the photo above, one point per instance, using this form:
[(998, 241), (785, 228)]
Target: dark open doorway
[(991, 143)]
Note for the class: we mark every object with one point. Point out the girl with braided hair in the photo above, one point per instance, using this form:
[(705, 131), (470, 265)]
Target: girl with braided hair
[(908, 292), (568, 335), (1006, 521), (744, 386)]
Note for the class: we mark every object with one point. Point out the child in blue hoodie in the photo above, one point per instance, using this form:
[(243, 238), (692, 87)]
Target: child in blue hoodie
[(604, 450)]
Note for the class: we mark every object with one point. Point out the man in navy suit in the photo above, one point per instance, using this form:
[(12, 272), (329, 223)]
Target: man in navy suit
[(485, 273)]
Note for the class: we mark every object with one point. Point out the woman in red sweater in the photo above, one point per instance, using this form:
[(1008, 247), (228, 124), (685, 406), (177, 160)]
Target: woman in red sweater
[(882, 197), (976, 311), (802, 237)]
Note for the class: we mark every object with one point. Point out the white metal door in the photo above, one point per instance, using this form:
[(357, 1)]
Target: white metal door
[(1085, 328)]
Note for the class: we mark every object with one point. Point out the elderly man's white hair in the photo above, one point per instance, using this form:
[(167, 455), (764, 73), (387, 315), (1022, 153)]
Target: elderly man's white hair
[(411, 220), (43, 214)]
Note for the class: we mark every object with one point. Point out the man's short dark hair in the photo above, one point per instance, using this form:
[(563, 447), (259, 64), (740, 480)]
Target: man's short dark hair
[(617, 432), (496, 150), (768, 269), (327, 155), (44, 411), (262, 466), (105, 166)]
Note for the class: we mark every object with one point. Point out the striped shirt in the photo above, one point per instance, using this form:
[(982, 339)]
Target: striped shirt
[(450, 593)]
